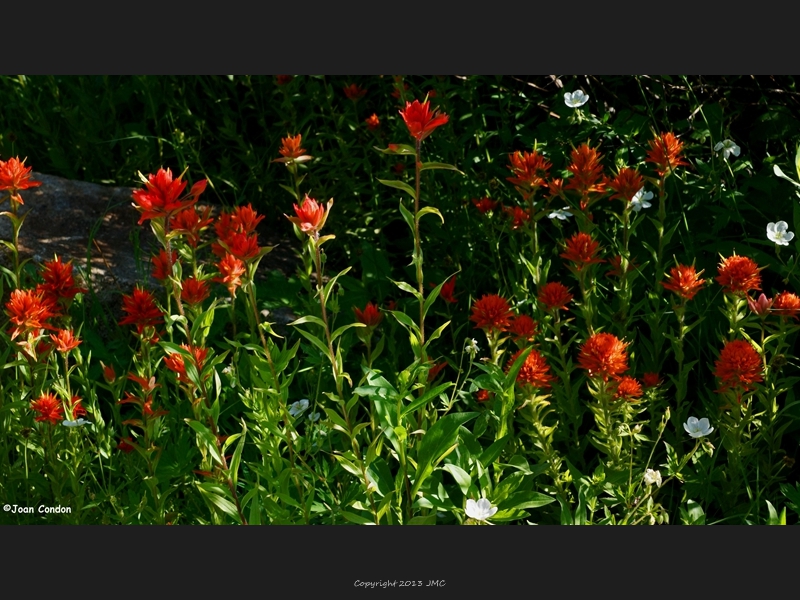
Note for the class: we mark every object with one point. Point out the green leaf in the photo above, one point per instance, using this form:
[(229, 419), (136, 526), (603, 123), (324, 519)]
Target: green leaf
[(525, 499), (407, 288), (399, 185), (357, 519), (438, 442), (425, 398), (314, 340), (426, 520), (402, 149), (437, 165), (462, 478), (777, 170), (207, 437), (430, 210), (306, 319), (237, 454), (344, 328), (511, 377)]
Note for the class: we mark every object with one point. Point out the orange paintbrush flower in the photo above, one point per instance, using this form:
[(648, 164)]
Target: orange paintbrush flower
[(49, 408), (530, 170), (628, 388), (587, 172), (15, 176), (191, 224), (603, 355), (684, 281), (626, 184), (373, 122), (786, 304), (231, 270), (522, 328), (484, 205), (665, 153), (739, 274), (59, 283), (161, 265), (354, 92), (64, 340), (420, 120), (28, 311), (534, 371)]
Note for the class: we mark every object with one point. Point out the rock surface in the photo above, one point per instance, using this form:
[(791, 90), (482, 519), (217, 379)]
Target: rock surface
[(96, 227)]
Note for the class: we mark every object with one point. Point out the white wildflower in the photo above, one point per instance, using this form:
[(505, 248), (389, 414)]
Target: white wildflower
[(480, 510), (576, 98), (779, 233)]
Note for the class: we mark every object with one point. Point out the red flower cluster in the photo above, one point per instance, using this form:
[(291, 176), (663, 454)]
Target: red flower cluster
[(354, 92), (162, 268), (534, 371), (15, 176), (522, 328), (448, 290), (581, 249), (191, 224), (59, 283), (684, 281), (786, 304), (491, 313), (615, 262), (530, 171), (555, 296), (194, 291), (651, 379), (739, 274), (65, 340), (290, 147), (175, 361), (237, 233), (420, 120), (484, 205), (141, 310), (626, 184), (604, 355), (49, 408), (311, 215), (665, 153), (370, 316), (628, 388), (373, 122), (587, 173), (518, 216), (739, 366), (29, 312), (162, 195), (231, 270)]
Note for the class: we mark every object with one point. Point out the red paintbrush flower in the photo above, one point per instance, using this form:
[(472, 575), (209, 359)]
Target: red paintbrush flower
[(581, 249), (175, 362), (484, 205), (739, 366), (420, 120), (651, 379), (373, 122), (311, 215), (191, 224), (522, 328), (162, 195), (370, 316), (59, 283), (555, 296), (491, 313), (354, 92), (603, 355), (194, 291), (49, 408), (587, 172), (141, 310), (161, 265), (518, 216)]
